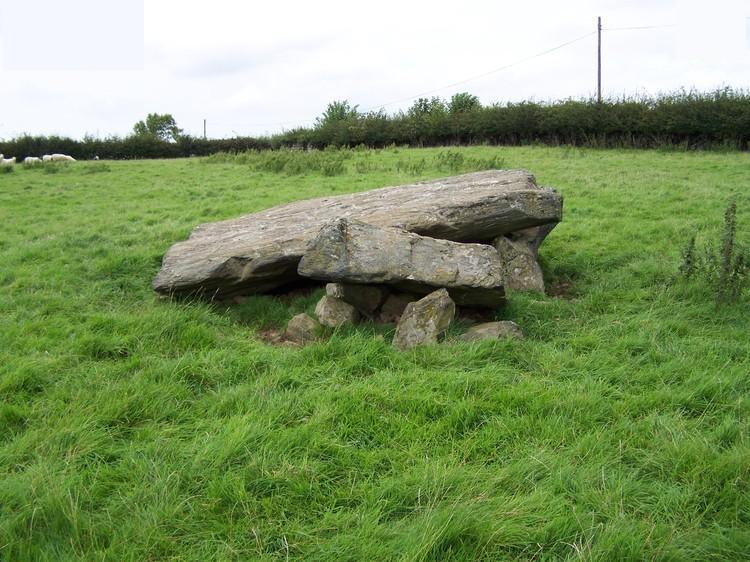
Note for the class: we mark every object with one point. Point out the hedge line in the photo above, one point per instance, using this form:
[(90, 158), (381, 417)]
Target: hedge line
[(128, 148), (690, 120)]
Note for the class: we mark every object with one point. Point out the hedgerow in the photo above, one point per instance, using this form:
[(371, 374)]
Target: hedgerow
[(681, 120)]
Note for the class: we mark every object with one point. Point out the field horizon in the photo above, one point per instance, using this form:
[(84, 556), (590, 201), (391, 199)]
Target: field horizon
[(133, 427)]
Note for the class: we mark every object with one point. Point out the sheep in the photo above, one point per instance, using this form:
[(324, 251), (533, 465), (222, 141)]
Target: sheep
[(8, 161), (57, 158), (30, 160), (62, 158)]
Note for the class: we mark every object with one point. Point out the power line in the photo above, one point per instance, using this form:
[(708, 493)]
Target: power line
[(599, 60), (599, 30), (235, 123), (476, 77), (637, 27), (460, 82)]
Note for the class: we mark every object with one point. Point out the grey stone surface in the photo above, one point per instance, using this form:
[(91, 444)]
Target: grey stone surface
[(394, 307), (425, 321), (365, 298), (302, 329), (351, 251), (260, 251), (493, 331), (520, 266), (532, 236), (334, 312)]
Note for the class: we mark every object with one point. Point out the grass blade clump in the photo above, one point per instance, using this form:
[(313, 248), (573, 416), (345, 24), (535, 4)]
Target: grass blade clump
[(726, 272), (329, 162)]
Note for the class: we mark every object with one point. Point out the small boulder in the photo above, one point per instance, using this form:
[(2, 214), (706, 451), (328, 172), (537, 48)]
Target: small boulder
[(302, 329), (521, 269), (425, 320), (334, 312), (394, 307), (365, 298), (493, 331)]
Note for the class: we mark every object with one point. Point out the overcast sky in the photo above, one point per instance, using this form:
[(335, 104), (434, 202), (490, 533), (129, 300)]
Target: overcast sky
[(96, 67)]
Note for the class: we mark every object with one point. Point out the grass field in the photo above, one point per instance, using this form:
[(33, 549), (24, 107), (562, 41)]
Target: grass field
[(138, 429)]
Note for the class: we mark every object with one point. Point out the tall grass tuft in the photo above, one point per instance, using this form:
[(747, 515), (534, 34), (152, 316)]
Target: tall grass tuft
[(330, 162), (726, 271), (456, 161), (96, 168)]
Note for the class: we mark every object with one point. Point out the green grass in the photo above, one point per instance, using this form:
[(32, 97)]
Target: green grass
[(138, 429)]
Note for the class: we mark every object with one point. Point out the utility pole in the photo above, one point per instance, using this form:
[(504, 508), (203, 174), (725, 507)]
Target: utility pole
[(204, 129), (599, 60)]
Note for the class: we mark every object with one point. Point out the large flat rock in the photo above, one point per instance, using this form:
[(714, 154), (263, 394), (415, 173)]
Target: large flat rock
[(350, 251), (260, 251)]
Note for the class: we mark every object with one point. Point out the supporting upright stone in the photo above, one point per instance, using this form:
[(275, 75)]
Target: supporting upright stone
[(425, 321), (521, 269), (365, 298), (394, 307), (302, 329), (532, 236), (334, 313)]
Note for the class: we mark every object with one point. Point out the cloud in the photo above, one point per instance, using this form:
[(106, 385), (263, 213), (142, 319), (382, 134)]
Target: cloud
[(258, 67), (72, 35), (237, 59)]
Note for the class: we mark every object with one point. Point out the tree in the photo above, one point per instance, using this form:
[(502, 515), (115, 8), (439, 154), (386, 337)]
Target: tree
[(424, 106), (162, 127), (337, 111), (464, 102)]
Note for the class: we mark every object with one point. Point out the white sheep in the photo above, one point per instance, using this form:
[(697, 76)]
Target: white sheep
[(8, 161), (62, 158), (29, 160), (47, 158)]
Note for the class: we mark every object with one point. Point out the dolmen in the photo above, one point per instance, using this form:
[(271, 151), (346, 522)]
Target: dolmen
[(407, 254)]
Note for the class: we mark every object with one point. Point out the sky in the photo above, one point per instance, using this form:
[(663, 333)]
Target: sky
[(96, 67)]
